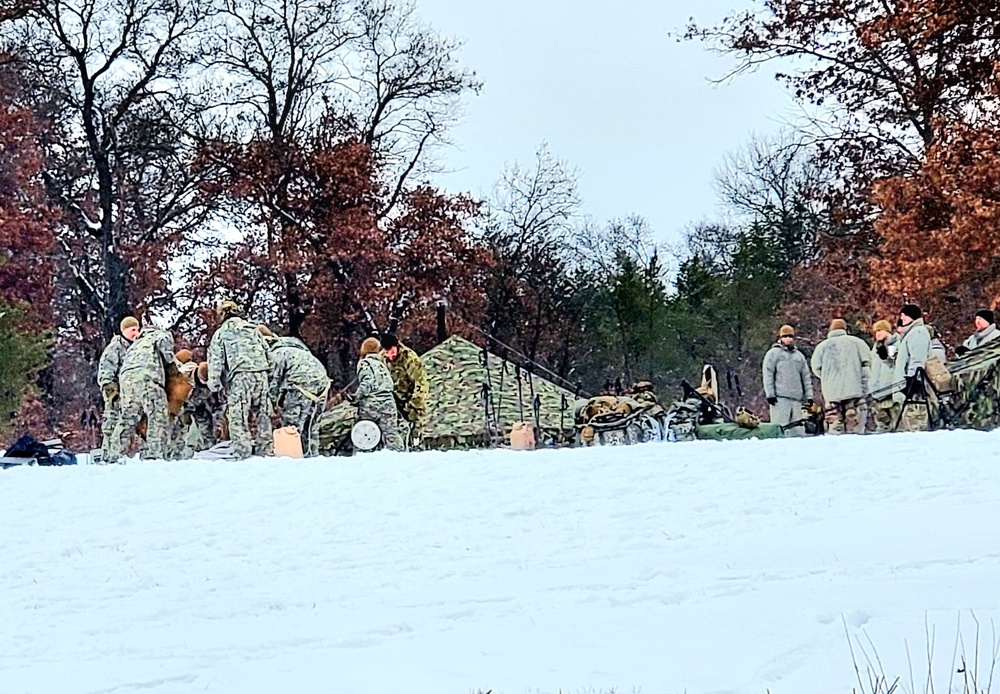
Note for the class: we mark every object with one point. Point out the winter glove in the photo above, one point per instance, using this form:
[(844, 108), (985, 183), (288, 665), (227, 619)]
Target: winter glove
[(110, 392), (772, 401), (882, 351), (962, 351)]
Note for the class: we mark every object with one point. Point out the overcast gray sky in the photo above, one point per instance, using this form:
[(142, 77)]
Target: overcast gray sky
[(612, 93)]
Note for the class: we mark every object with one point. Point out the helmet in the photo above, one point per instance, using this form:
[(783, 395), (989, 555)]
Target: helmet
[(747, 419), (227, 309)]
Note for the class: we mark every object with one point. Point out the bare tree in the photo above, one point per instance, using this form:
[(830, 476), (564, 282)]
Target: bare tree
[(779, 185), (112, 73), (528, 229), (407, 82)]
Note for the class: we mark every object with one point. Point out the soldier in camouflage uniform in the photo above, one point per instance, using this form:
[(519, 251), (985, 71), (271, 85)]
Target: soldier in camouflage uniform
[(300, 384), (410, 386), (238, 359), (143, 380), (374, 396), (107, 379)]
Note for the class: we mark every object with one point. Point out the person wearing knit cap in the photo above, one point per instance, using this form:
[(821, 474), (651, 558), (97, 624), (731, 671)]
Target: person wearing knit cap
[(787, 381), (842, 362), (374, 396), (108, 369), (883, 359), (986, 332), (143, 380), (914, 348)]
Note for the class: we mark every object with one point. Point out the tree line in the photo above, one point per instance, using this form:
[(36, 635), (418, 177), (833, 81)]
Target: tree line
[(159, 154)]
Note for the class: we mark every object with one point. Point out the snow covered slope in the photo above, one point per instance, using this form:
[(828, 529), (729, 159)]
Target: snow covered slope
[(701, 567)]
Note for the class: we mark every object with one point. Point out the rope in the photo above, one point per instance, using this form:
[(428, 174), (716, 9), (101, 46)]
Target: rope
[(553, 376)]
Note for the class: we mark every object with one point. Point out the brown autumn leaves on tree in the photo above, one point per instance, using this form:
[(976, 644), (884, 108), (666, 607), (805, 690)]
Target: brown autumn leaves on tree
[(898, 95)]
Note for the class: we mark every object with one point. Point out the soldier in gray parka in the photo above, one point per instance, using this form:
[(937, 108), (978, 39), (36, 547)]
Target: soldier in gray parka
[(787, 381), (986, 332), (843, 362)]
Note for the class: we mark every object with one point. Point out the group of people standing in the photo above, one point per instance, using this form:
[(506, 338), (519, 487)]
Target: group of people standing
[(858, 379), (250, 375)]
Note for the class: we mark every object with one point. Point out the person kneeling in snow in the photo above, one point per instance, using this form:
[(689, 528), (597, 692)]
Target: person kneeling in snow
[(374, 397)]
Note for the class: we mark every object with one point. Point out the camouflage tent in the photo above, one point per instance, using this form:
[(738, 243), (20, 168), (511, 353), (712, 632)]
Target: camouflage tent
[(976, 380), (474, 400)]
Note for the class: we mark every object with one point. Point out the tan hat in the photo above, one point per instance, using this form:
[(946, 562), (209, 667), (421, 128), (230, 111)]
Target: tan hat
[(227, 309), (184, 356), (838, 324), (786, 331), (370, 346), (128, 322), (203, 372), (883, 325)]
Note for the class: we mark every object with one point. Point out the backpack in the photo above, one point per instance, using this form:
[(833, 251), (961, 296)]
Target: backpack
[(938, 374)]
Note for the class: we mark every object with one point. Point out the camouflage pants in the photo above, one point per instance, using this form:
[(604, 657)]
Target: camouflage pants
[(140, 396), (915, 417), (411, 430), (301, 412), (109, 421), (247, 399), (384, 414), (846, 416), (884, 411), (190, 432)]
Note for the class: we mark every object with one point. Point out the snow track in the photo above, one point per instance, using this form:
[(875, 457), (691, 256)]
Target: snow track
[(702, 567)]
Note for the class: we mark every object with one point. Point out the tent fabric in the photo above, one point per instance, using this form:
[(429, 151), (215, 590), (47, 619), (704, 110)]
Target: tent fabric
[(457, 371), (976, 379)]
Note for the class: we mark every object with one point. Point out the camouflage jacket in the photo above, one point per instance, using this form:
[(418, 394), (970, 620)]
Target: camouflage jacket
[(374, 381), (111, 360), (410, 384), (293, 366), (149, 355), (236, 347)]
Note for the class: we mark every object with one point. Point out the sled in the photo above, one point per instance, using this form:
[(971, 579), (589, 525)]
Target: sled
[(365, 435)]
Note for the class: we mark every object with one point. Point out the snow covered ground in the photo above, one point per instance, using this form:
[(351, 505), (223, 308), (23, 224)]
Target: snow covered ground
[(701, 567)]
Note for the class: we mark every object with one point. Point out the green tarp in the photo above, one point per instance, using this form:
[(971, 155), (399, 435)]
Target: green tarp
[(457, 410), (733, 432)]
